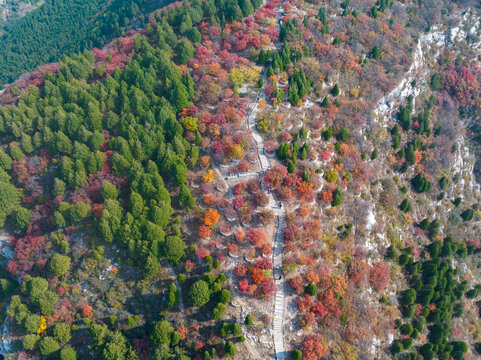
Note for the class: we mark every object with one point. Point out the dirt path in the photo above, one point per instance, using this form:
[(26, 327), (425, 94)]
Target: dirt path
[(173, 277)]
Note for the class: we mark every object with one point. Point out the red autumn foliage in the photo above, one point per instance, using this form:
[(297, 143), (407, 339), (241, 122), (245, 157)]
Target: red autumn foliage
[(269, 287), (202, 252), (205, 232), (264, 264), (243, 286), (257, 236), (319, 309), (305, 303), (240, 188), (379, 275), (358, 272), (240, 270), (297, 284)]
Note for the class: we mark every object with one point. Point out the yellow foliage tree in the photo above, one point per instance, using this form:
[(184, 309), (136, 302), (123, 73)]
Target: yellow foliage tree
[(42, 330), (191, 123), (236, 77), (208, 176), (261, 104), (251, 74), (236, 152), (344, 351)]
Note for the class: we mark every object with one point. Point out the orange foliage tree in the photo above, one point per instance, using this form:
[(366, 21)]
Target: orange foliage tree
[(304, 188), (240, 235), (183, 331), (313, 348), (257, 275), (311, 276), (327, 196), (205, 160), (211, 217)]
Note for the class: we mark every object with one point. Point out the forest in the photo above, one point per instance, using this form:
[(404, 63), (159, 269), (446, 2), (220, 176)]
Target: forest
[(223, 167), (65, 27)]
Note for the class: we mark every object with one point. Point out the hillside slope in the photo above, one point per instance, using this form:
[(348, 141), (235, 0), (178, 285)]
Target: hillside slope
[(284, 179)]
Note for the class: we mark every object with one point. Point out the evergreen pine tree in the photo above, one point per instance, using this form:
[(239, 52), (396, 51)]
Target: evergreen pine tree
[(325, 102), (335, 90)]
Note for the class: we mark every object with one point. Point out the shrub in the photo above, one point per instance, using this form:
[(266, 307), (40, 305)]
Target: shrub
[(48, 345), (407, 343), (406, 329), (68, 353), (296, 354), (396, 347), (30, 341), (20, 218), (405, 206), (311, 289), (61, 332), (230, 348), (467, 214), (60, 264), (224, 296), (218, 311), (199, 293)]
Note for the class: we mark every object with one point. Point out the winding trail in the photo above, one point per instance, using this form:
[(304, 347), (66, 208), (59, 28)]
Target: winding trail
[(280, 352), (279, 211), (280, 298)]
